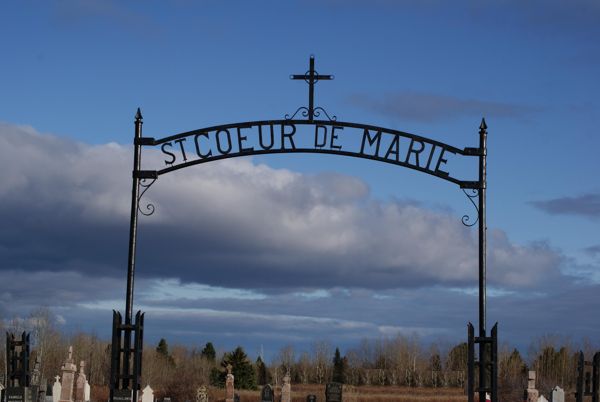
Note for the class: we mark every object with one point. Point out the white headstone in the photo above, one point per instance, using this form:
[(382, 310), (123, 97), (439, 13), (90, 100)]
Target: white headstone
[(56, 389), (542, 398), (147, 394), (87, 391), (531, 382), (558, 394)]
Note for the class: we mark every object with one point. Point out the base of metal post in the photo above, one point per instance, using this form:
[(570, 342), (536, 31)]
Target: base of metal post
[(125, 384), (487, 365)]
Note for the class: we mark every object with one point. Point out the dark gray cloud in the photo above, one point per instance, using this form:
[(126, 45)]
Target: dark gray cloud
[(587, 205), (115, 14), (428, 107), (593, 250), (234, 224)]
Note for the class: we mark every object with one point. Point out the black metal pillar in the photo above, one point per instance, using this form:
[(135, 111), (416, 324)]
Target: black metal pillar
[(471, 362), (135, 194), (125, 382), (580, 374), (494, 364), (18, 373), (487, 362), (482, 256), (595, 377)]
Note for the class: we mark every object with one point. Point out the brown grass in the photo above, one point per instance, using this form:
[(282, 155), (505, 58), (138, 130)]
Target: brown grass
[(356, 394)]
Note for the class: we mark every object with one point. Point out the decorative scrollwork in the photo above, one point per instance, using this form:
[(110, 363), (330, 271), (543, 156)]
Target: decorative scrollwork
[(146, 184), (304, 110), (466, 218), (318, 111)]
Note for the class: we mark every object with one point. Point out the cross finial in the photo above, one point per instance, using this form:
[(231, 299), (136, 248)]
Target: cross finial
[(311, 77)]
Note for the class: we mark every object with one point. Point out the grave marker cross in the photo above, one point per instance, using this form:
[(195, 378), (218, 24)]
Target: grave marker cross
[(311, 77)]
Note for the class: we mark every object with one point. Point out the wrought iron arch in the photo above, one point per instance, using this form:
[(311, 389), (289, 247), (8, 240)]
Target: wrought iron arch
[(421, 154)]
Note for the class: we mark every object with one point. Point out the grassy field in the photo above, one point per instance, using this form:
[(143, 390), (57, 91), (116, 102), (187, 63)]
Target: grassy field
[(357, 394)]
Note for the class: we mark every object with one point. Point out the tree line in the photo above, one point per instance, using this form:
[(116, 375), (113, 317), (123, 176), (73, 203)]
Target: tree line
[(178, 370)]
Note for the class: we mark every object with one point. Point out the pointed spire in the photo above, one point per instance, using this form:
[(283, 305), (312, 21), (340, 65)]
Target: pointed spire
[(482, 126), (138, 115)]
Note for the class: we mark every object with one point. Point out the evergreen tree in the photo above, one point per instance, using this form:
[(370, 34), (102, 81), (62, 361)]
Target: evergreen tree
[(261, 372), (162, 348), (242, 370), (209, 352), (163, 351), (339, 367)]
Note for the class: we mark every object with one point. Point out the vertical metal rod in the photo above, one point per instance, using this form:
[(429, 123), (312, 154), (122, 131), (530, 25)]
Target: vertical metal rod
[(580, 374), (135, 191), (471, 363), (483, 357), (482, 226), (494, 363), (311, 88), (595, 376)]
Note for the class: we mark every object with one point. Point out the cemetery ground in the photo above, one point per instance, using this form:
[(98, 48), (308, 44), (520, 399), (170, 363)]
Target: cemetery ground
[(351, 394), (364, 394)]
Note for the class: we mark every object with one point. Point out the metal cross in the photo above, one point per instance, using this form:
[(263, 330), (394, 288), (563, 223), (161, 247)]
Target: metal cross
[(311, 77)]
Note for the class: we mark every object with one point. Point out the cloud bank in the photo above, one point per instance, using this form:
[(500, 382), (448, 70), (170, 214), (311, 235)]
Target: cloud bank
[(234, 224), (586, 205), (429, 107), (237, 247)]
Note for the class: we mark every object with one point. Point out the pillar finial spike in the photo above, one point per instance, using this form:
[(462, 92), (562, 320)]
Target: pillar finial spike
[(483, 126), (138, 115)]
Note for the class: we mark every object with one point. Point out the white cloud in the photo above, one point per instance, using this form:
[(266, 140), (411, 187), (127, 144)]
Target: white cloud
[(237, 224)]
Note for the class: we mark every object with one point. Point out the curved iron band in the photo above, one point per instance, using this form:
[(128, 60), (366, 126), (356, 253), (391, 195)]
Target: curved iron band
[(461, 183), (309, 123)]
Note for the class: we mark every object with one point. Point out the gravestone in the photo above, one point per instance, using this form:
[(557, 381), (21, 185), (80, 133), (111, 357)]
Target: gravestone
[(68, 378), (166, 399), (532, 393), (286, 389), (266, 394), (311, 398), (87, 392), (558, 394), (229, 385), (333, 392), (15, 394), (236, 398), (56, 389), (542, 398), (122, 395), (202, 394), (42, 390), (147, 394), (80, 383)]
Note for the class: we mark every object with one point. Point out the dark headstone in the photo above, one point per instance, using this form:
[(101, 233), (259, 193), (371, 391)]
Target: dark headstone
[(311, 398), (15, 394), (236, 398), (333, 392), (122, 395), (267, 394)]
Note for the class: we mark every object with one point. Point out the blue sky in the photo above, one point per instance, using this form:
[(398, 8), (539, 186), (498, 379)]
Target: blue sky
[(291, 249)]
